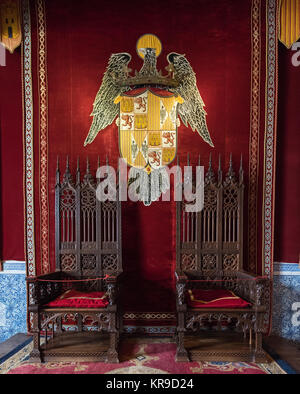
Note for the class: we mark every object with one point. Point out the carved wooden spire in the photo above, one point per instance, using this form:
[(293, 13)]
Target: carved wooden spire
[(230, 176), (241, 171), (77, 172), (57, 171), (67, 178), (220, 174), (88, 176), (210, 176)]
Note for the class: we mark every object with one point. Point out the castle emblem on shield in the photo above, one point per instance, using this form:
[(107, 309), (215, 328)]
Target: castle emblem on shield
[(147, 107)]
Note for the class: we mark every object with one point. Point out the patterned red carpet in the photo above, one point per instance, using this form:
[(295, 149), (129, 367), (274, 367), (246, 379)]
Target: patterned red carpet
[(146, 356)]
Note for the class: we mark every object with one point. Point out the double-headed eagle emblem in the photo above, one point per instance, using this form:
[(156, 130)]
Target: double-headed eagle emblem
[(147, 105)]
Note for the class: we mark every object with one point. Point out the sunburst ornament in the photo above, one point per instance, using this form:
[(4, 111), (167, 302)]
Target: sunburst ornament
[(148, 41)]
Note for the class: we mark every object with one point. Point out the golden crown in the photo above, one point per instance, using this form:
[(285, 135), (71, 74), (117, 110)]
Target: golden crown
[(150, 79)]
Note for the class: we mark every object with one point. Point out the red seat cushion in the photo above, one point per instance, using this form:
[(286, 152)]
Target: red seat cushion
[(78, 299), (215, 298)]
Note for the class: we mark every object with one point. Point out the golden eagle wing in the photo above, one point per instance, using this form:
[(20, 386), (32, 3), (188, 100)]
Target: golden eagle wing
[(191, 111), (104, 109)]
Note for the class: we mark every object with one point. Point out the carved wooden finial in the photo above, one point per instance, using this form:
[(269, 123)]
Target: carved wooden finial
[(241, 171), (230, 162), (220, 175), (210, 176), (87, 165), (230, 176), (88, 176), (57, 171), (77, 172), (67, 178), (209, 162)]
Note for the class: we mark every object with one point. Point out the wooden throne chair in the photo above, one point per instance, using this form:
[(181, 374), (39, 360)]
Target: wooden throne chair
[(220, 307), (75, 310)]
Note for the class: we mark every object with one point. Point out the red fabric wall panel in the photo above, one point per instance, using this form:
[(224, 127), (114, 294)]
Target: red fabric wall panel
[(11, 159), (287, 219), (80, 39)]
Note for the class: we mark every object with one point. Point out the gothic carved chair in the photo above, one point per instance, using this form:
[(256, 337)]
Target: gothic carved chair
[(220, 307), (74, 311)]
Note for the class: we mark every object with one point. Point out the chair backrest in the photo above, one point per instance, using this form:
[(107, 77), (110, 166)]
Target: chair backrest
[(88, 231), (212, 240)]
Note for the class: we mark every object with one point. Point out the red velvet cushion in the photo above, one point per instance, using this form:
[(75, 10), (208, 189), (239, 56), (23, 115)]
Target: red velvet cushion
[(215, 298), (78, 299)]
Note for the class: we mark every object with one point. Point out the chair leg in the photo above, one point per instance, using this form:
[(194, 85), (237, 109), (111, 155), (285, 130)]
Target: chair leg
[(181, 353), (258, 342), (36, 355), (112, 353)]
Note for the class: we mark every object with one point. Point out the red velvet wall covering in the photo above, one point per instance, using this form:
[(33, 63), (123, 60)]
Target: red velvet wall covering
[(11, 163), (80, 38), (287, 218)]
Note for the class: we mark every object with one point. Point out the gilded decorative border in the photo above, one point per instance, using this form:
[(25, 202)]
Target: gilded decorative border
[(28, 142), (150, 330), (254, 132), (43, 135), (149, 316), (270, 148), (270, 137)]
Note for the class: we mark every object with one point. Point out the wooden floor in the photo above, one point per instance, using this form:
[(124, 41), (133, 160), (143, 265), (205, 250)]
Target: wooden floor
[(82, 346), (215, 346), (76, 341), (285, 350), (279, 348)]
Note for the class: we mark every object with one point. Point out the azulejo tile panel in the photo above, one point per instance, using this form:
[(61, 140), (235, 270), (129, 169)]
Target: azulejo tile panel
[(12, 300), (286, 301)]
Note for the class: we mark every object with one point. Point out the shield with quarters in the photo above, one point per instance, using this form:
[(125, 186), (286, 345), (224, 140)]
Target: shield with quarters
[(148, 128)]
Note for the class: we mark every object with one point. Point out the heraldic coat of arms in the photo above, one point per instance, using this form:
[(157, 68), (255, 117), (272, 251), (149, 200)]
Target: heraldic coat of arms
[(146, 107)]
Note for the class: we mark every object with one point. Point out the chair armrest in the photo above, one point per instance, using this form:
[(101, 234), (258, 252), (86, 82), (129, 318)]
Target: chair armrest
[(261, 286), (112, 282), (114, 277), (42, 288), (252, 287), (181, 277), (181, 281), (50, 276)]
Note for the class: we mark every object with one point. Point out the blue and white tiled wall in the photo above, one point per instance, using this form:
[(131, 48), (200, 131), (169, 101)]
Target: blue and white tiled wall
[(12, 300), (286, 301)]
